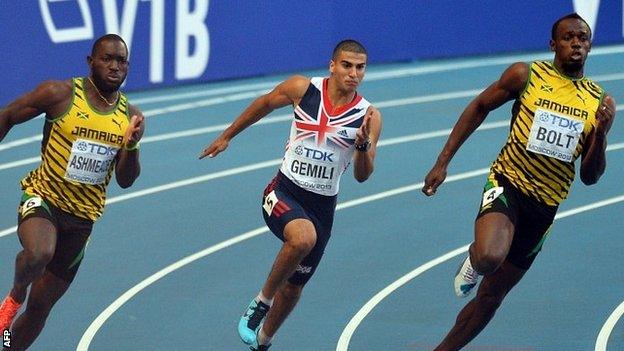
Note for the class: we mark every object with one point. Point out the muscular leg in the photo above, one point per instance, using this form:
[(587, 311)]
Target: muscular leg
[(480, 310), (285, 301), (44, 293), (38, 237), (493, 236), (300, 238)]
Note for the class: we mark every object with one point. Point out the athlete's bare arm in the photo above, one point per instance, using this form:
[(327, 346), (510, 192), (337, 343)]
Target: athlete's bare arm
[(127, 167), (286, 93), (50, 97), (594, 161), (508, 87), (363, 162)]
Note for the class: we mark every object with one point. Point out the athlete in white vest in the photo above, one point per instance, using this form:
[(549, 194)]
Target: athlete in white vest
[(333, 126)]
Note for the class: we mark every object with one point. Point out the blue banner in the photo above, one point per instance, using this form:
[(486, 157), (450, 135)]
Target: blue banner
[(189, 41)]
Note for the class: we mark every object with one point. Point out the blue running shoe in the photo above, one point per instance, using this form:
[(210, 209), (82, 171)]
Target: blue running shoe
[(250, 321), (466, 278)]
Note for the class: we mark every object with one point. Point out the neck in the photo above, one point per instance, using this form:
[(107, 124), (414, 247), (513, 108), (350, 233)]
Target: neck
[(109, 98), (574, 71), (337, 96)]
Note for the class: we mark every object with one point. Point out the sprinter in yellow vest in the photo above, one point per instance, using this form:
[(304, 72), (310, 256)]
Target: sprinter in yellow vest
[(90, 131), (558, 115)]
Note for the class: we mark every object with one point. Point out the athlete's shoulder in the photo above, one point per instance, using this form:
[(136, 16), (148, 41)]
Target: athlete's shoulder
[(519, 70), (297, 82), (55, 88), (294, 87), (50, 93), (515, 77)]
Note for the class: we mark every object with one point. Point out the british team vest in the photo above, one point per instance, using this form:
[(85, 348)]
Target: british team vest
[(320, 146)]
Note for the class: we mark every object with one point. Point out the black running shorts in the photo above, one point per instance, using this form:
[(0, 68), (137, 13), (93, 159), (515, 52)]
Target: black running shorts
[(532, 219), (72, 234), (284, 201)]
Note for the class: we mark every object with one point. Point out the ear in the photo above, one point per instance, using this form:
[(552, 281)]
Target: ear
[(89, 60), (332, 66), (551, 43)]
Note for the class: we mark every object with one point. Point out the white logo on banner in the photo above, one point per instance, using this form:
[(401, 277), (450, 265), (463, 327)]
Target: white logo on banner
[(190, 28), (588, 9), (67, 34)]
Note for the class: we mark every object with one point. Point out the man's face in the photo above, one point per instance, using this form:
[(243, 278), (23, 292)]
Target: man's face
[(572, 43), (109, 64), (348, 69)]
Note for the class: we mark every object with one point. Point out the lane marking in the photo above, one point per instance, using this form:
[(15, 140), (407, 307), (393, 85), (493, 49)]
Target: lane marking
[(607, 328), (391, 74), (274, 162), (88, 335), (265, 164), (349, 330)]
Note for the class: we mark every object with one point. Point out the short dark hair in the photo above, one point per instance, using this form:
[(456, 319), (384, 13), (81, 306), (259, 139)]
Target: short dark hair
[(572, 15), (107, 37), (349, 45)]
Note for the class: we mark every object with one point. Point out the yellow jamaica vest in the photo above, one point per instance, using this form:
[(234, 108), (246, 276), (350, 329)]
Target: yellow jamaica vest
[(550, 123), (78, 154)]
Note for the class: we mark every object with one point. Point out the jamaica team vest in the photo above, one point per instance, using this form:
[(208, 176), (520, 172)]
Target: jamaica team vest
[(320, 147), (78, 156), (550, 124)]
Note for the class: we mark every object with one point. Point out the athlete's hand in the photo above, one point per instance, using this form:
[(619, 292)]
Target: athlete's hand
[(134, 132), (605, 115), (217, 146), (361, 135), (434, 178)]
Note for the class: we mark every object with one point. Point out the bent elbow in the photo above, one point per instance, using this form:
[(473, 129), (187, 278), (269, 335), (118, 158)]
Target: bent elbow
[(125, 184), (361, 178), (590, 179)]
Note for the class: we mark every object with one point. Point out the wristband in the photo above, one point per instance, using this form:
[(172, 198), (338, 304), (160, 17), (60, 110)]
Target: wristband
[(364, 147), (134, 148)]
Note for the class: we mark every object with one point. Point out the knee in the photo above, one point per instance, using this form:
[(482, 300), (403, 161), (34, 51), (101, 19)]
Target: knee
[(487, 261), (38, 258), (303, 243)]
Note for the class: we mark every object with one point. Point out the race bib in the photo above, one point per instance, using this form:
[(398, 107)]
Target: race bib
[(554, 135), (269, 202), (89, 162), (491, 195), (32, 202)]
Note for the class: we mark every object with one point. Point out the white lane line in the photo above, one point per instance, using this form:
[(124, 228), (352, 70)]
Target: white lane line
[(391, 74), (19, 163), (201, 93), (20, 142), (278, 119), (607, 328), (85, 341), (384, 74), (266, 120), (349, 330), (265, 164)]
